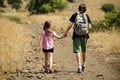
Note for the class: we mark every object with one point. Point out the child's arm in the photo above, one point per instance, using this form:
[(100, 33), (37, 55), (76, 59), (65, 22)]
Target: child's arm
[(58, 37), (40, 43), (68, 28)]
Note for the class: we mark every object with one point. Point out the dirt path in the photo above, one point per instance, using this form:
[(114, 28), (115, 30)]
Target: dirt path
[(97, 68)]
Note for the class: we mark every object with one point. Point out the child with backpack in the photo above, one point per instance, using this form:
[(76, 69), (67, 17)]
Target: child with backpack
[(47, 41), (82, 23)]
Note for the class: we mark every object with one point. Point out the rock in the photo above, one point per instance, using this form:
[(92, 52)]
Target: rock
[(107, 59), (39, 77), (33, 36), (30, 76), (99, 75), (5, 72), (9, 79)]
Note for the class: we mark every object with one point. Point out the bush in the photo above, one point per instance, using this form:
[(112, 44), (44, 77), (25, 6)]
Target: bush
[(71, 0), (45, 6), (1, 3), (14, 1), (98, 25), (108, 8), (16, 4), (0, 14), (15, 19), (113, 19), (60, 4)]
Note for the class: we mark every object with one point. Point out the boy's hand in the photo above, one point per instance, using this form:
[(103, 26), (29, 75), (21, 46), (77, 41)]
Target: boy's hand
[(65, 35)]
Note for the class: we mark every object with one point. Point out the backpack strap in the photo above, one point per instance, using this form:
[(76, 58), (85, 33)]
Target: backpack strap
[(83, 14)]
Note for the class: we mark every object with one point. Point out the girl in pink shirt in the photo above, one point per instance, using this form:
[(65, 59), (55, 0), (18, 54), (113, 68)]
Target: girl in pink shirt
[(47, 41)]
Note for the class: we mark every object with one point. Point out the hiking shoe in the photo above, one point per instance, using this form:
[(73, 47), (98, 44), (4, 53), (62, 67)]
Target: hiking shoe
[(83, 67), (46, 71), (79, 70), (50, 71)]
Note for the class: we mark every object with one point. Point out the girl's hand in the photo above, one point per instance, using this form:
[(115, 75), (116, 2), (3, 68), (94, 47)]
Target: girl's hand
[(39, 49)]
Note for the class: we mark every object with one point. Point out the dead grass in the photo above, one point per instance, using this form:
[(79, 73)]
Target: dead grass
[(115, 47), (108, 41), (14, 44)]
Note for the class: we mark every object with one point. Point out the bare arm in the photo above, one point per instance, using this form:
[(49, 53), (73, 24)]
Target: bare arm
[(58, 37), (89, 26), (68, 28), (40, 43)]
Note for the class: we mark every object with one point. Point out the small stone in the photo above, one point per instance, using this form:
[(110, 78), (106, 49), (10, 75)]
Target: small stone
[(99, 75), (5, 72), (39, 77), (29, 76), (33, 36)]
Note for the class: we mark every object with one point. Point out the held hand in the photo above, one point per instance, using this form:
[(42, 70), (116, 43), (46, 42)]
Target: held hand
[(64, 35)]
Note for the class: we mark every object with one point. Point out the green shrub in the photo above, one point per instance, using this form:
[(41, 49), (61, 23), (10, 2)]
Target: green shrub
[(108, 7), (0, 14), (71, 0), (60, 4), (45, 6), (31, 6), (1, 3), (113, 19), (98, 25), (1, 11), (16, 4), (14, 1), (15, 19)]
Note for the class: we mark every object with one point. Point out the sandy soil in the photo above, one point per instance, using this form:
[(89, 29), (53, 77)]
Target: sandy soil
[(101, 64)]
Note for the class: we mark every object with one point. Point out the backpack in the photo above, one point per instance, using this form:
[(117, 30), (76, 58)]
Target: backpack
[(81, 24)]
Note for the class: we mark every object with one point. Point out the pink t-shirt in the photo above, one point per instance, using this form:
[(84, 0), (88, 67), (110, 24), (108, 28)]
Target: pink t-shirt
[(47, 41)]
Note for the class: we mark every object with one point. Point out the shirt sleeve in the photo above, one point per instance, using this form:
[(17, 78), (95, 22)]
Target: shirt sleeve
[(89, 20), (72, 18), (41, 33)]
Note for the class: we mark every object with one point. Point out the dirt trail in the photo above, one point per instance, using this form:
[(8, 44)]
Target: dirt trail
[(64, 62)]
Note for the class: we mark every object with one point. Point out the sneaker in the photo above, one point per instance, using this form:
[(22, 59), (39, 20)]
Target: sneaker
[(46, 71), (79, 70), (50, 71), (83, 67)]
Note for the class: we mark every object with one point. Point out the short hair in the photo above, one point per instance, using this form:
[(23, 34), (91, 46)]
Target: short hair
[(82, 8)]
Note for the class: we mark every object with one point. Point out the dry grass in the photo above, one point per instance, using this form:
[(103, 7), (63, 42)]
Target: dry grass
[(14, 44), (57, 21), (115, 47), (106, 41)]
